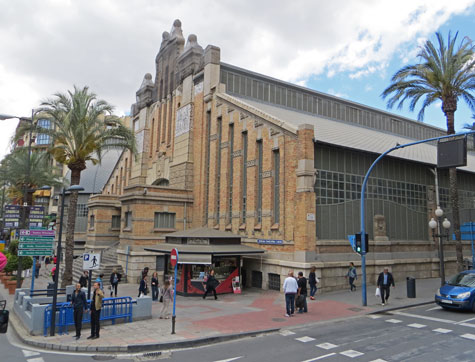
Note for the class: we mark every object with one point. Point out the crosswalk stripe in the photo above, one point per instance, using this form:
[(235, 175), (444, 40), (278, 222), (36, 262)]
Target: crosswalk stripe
[(305, 339), (442, 330), (320, 357), (393, 321), (373, 316), (416, 325), (468, 336), (351, 353), (37, 359), (229, 359), (286, 332), (28, 353), (326, 345), (425, 317), (378, 360)]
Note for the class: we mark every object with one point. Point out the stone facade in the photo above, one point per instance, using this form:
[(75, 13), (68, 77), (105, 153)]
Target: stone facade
[(192, 162)]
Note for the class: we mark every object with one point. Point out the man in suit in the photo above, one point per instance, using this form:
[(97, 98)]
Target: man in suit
[(96, 305), (385, 280)]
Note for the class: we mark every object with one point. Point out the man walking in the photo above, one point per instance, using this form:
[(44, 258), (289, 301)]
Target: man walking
[(290, 289), (385, 280), (79, 303), (211, 284), (96, 305), (302, 292), (352, 276), (83, 279)]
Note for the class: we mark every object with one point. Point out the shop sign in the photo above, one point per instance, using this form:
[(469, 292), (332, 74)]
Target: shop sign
[(270, 242), (198, 241)]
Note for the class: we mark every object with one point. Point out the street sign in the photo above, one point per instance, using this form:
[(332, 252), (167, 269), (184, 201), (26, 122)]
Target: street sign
[(43, 252), (35, 246), (26, 239), (12, 216), (91, 261), (174, 257), (49, 233)]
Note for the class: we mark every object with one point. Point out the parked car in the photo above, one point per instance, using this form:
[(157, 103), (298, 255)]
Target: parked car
[(458, 292)]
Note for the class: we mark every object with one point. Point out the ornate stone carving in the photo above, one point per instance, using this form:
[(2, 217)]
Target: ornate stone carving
[(379, 228)]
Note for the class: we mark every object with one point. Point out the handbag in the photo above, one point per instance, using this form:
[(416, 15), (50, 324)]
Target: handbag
[(378, 292), (300, 301)]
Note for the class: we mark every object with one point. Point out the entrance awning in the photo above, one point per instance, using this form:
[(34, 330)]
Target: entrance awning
[(194, 259)]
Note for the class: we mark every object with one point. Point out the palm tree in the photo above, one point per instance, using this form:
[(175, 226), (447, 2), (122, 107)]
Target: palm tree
[(82, 128), (445, 73), (14, 173)]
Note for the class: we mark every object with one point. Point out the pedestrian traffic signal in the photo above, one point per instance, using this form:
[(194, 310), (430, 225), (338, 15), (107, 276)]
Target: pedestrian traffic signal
[(358, 246)]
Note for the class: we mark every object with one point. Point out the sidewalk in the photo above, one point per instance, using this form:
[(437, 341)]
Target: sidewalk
[(201, 321)]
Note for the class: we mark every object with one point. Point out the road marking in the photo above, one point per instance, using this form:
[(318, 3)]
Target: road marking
[(327, 345), (305, 339), (468, 336), (229, 359), (433, 308), (351, 353), (286, 332), (378, 360), (321, 357), (467, 325), (465, 321), (373, 316), (442, 330), (425, 317), (393, 321), (38, 359), (416, 325), (27, 353)]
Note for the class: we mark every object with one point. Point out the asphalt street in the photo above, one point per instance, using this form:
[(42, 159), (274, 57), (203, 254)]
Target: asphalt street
[(425, 333)]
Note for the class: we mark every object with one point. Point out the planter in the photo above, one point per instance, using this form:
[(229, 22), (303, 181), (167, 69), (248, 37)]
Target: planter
[(11, 286)]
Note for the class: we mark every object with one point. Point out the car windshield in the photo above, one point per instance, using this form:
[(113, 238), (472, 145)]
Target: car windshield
[(462, 280)]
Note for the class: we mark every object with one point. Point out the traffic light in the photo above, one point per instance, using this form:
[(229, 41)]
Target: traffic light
[(358, 246)]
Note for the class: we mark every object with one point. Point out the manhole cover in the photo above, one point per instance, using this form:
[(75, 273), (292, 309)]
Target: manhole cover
[(354, 309), (278, 319)]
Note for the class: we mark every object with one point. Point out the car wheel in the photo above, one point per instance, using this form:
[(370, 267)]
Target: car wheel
[(445, 308), (473, 307)]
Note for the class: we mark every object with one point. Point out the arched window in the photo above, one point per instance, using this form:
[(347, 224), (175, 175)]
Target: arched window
[(161, 182)]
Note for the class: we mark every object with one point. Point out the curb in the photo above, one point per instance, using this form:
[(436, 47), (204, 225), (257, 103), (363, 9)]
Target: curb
[(401, 307), (136, 348)]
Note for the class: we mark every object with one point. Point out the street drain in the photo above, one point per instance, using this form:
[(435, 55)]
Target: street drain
[(152, 354), (103, 358), (355, 309), (278, 319)]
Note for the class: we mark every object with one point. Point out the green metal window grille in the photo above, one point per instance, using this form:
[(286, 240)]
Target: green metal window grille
[(259, 181), (218, 169), (276, 186), (244, 176), (231, 172), (164, 220)]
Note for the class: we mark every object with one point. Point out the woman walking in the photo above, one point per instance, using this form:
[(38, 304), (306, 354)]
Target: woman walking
[(312, 281), (155, 286), (143, 288), (352, 276), (167, 298), (114, 280)]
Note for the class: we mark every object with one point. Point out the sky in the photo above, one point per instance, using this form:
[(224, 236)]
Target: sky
[(347, 49)]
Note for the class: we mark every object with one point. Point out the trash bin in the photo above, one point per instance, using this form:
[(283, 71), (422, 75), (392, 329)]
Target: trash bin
[(411, 287), (50, 290)]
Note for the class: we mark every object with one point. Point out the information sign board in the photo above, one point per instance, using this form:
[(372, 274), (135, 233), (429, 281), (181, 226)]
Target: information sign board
[(91, 261)]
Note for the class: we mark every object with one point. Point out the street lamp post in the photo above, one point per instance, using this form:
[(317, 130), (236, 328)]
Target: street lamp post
[(436, 224), (23, 224), (58, 256)]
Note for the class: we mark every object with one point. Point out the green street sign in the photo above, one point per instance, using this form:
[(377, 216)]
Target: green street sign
[(35, 246), (36, 239), (43, 252)]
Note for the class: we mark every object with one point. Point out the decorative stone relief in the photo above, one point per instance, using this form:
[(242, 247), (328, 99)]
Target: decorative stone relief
[(266, 174), (213, 137), (379, 228), (224, 144), (251, 163), (198, 88), (237, 153), (183, 120)]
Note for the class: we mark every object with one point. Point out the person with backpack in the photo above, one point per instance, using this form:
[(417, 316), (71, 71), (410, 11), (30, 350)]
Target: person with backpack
[(352, 276)]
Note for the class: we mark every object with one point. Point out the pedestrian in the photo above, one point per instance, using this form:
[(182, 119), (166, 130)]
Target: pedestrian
[(79, 303), (55, 260), (99, 280), (290, 289), (155, 286), (83, 279), (352, 276), (114, 280), (96, 305), (143, 288), (167, 298), (313, 281), (385, 280), (37, 268), (53, 272), (47, 263), (145, 271), (302, 292), (211, 284)]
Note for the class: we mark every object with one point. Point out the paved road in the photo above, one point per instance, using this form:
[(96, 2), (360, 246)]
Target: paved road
[(425, 333)]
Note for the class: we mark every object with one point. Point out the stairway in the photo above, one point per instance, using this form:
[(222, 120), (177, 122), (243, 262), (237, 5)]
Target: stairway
[(108, 264)]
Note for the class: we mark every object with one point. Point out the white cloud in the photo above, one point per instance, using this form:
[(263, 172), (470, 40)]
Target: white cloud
[(109, 45), (336, 93)]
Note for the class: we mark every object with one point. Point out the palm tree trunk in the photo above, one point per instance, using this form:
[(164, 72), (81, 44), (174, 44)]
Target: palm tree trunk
[(71, 223), (449, 107)]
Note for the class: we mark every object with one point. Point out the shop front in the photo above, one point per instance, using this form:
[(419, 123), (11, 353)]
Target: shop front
[(200, 251)]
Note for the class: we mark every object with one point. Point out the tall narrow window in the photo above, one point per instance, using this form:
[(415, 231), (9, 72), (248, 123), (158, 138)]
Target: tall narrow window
[(276, 186), (231, 172), (259, 182), (152, 130), (128, 219), (218, 168), (208, 148), (244, 176)]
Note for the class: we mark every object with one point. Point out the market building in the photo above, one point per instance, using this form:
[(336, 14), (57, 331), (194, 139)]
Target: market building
[(277, 164)]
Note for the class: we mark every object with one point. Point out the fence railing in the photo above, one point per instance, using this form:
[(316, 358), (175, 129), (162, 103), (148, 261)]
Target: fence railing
[(112, 309), (46, 292)]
